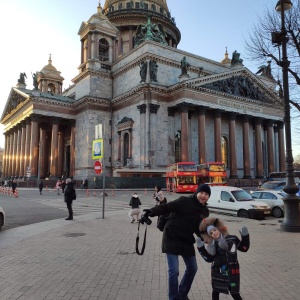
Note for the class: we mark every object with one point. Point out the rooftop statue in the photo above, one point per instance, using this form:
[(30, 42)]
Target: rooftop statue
[(35, 83), (184, 65), (150, 32), (236, 60), (22, 78), (265, 70)]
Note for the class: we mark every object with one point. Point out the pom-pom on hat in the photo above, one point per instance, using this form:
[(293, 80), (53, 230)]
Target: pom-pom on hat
[(204, 188)]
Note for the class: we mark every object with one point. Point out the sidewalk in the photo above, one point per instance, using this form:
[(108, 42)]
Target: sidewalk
[(92, 258)]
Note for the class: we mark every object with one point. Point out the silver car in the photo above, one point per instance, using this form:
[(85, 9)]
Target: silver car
[(2, 217), (274, 199)]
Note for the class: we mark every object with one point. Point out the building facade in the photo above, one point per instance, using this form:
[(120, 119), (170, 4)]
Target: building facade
[(157, 105)]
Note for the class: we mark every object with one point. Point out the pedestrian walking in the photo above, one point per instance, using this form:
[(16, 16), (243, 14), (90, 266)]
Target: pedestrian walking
[(186, 214), (135, 203), (70, 195), (221, 251), (57, 186), (14, 186), (41, 186)]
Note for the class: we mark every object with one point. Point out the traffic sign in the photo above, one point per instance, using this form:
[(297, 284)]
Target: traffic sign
[(97, 167)]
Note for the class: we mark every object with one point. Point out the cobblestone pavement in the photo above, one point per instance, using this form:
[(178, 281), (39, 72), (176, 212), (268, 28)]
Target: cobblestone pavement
[(93, 258)]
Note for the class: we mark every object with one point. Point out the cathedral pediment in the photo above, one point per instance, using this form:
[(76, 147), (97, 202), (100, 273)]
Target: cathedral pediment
[(240, 84), (15, 99)]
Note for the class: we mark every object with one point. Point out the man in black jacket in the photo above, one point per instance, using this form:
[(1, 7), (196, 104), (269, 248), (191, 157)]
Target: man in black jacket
[(70, 195), (186, 214)]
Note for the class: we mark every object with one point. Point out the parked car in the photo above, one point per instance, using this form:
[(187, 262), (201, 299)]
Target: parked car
[(274, 199), (272, 185), (2, 217), (235, 201)]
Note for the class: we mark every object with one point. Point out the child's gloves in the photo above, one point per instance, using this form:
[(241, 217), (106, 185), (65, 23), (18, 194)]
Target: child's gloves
[(199, 242), (244, 231), (211, 248), (223, 243)]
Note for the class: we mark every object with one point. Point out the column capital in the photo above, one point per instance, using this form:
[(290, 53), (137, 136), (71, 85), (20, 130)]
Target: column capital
[(201, 110), (217, 113), (280, 124), (258, 121), (245, 118), (171, 111), (269, 123), (184, 107), (35, 118), (54, 120), (232, 116), (154, 108), (142, 108)]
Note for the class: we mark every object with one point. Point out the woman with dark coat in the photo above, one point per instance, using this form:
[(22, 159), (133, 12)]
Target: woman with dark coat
[(186, 214), (70, 195), (221, 251)]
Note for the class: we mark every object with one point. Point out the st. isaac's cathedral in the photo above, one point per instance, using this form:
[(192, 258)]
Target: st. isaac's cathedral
[(156, 103)]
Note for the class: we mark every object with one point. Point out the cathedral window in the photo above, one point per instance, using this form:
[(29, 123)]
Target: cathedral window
[(178, 146), (125, 148), (103, 50)]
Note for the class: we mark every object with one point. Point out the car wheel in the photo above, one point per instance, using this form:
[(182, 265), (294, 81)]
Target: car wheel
[(243, 214), (277, 212), (1, 221)]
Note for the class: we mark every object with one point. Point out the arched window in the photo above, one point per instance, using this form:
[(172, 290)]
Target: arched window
[(126, 148), (153, 7), (51, 88), (224, 149), (103, 50)]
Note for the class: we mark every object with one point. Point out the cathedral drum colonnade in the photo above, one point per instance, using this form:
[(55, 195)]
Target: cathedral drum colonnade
[(157, 105)]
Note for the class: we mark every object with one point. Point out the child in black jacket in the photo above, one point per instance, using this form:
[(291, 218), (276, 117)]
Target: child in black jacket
[(221, 251)]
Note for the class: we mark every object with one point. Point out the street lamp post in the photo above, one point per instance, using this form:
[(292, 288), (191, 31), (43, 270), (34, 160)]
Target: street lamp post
[(291, 220)]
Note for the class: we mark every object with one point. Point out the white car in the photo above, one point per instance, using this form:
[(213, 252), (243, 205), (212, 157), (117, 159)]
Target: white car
[(274, 199), (236, 201), (2, 217)]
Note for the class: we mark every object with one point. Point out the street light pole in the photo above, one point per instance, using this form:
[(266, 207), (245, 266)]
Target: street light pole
[(291, 220)]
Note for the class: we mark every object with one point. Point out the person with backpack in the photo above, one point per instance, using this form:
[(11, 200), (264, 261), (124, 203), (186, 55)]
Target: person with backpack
[(70, 195), (135, 203)]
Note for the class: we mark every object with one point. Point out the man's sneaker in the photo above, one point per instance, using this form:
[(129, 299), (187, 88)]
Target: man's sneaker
[(132, 220)]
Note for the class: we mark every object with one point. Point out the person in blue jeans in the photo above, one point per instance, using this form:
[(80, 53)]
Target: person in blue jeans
[(185, 216)]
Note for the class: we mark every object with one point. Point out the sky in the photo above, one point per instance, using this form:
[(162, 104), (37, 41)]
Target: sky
[(31, 30)]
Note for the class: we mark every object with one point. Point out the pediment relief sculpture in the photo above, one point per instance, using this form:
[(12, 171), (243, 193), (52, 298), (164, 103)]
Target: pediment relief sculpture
[(15, 100), (239, 86)]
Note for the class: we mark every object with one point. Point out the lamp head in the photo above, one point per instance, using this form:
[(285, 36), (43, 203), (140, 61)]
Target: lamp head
[(287, 5)]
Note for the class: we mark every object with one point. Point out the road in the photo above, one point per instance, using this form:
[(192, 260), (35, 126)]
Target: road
[(31, 207)]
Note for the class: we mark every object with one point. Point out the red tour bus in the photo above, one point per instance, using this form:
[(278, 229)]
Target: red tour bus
[(181, 177), (212, 173)]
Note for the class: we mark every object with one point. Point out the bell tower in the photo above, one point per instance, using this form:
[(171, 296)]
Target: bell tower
[(98, 42), (48, 80)]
